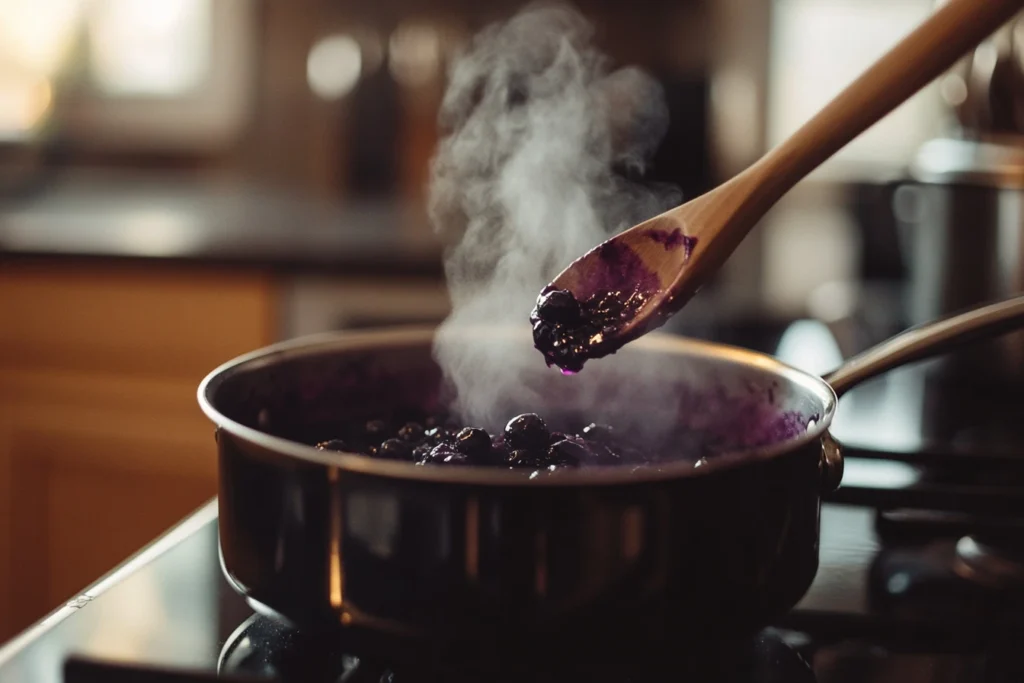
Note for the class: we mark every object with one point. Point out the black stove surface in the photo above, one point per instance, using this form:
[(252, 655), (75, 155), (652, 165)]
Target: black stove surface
[(169, 612)]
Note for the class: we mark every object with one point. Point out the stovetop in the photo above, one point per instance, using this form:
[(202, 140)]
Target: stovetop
[(902, 594), (877, 613)]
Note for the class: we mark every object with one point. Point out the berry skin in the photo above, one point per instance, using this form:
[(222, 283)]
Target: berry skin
[(475, 443), (456, 459), (558, 306), (395, 449), (411, 432), (568, 453), (527, 432), (441, 452), (598, 432), (332, 445), (543, 335), (524, 459)]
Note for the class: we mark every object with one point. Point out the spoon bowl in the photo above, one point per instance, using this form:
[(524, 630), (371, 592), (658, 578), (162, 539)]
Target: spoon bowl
[(638, 279)]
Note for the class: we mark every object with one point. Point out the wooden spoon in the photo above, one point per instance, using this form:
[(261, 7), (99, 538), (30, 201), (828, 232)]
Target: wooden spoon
[(646, 274)]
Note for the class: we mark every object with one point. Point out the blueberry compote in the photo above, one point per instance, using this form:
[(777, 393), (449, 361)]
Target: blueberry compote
[(526, 442), (568, 331)]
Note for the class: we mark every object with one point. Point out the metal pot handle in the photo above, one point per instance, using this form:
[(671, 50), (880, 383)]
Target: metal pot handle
[(931, 339)]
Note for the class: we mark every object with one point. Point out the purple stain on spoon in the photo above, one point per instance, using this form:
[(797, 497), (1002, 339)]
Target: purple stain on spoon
[(673, 239)]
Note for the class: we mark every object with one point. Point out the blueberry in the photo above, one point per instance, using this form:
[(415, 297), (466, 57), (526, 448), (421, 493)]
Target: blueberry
[(395, 449), (411, 431), (475, 443), (421, 452), (558, 306), (526, 431), (569, 453), (376, 429), (523, 458), (456, 459), (543, 335), (441, 452), (600, 433), (332, 445)]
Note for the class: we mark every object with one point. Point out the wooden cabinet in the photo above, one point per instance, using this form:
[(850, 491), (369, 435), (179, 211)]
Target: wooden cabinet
[(102, 443)]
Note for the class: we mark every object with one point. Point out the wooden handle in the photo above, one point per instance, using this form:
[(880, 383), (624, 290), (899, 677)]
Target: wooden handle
[(914, 62)]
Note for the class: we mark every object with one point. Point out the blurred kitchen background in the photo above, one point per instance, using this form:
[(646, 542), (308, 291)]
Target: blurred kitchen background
[(182, 181)]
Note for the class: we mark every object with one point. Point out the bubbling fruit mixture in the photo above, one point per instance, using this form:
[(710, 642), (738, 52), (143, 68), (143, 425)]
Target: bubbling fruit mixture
[(526, 442)]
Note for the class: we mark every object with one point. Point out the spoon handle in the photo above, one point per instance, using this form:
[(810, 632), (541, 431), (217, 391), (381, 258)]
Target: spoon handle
[(919, 58), (926, 341)]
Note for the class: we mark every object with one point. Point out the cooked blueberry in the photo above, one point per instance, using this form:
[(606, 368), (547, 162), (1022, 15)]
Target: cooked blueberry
[(376, 429), (600, 433), (395, 449), (523, 458), (526, 431), (332, 445), (456, 459), (567, 452), (441, 451), (558, 306), (421, 452), (473, 442), (700, 463), (543, 335), (411, 431)]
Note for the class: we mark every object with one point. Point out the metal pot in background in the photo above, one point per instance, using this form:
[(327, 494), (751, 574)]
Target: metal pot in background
[(960, 218)]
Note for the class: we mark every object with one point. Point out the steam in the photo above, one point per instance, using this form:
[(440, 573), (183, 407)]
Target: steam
[(539, 138)]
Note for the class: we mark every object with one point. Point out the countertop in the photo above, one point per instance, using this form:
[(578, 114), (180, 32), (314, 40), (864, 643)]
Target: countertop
[(187, 220)]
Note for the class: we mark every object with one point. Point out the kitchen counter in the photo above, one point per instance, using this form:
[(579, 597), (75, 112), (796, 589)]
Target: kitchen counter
[(183, 221)]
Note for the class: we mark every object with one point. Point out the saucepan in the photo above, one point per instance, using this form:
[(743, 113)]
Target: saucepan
[(483, 558)]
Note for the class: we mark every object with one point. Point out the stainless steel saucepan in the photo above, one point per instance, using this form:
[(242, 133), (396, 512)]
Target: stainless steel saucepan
[(489, 560)]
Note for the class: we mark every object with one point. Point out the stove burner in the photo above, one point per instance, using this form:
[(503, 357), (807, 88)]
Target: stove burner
[(263, 648)]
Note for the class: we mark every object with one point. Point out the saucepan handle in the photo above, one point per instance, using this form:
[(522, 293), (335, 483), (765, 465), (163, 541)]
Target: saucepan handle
[(931, 339)]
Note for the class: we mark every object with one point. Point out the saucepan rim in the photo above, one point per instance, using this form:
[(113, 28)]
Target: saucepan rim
[(384, 338)]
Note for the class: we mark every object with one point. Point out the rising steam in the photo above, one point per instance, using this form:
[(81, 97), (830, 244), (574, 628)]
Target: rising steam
[(539, 135)]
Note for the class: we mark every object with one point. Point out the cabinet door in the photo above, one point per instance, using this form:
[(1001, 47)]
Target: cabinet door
[(90, 482), (102, 443)]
